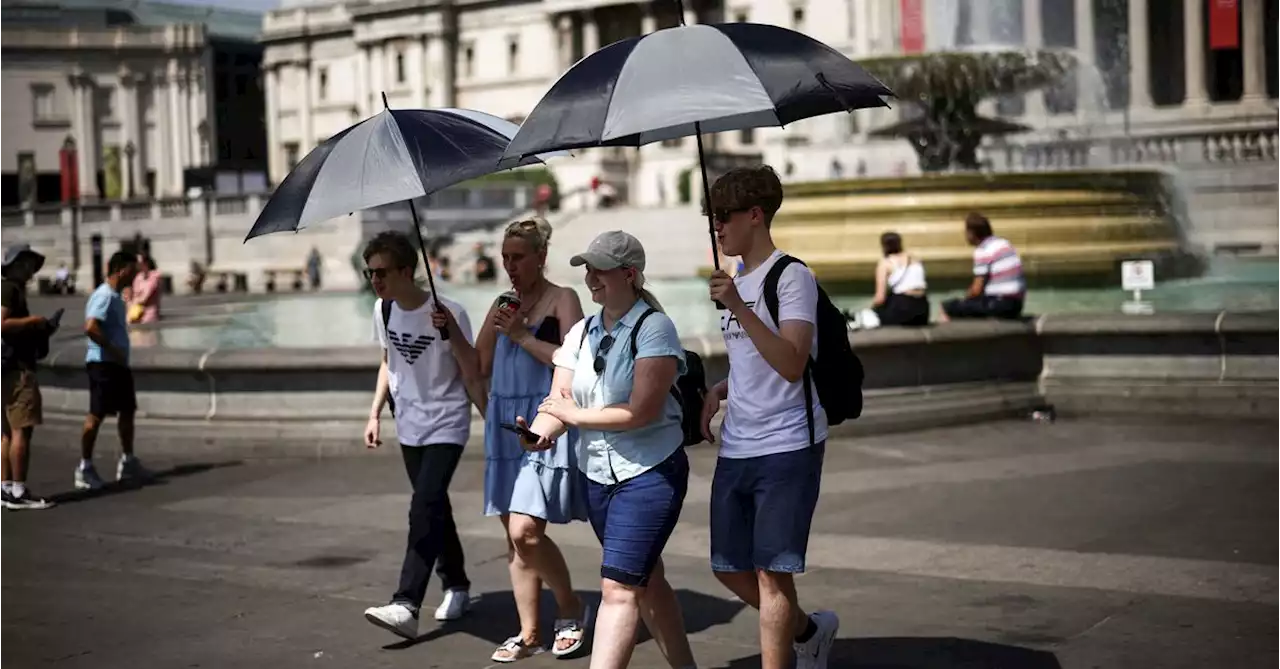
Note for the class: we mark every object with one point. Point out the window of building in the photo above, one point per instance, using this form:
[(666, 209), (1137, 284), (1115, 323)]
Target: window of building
[(400, 68), (291, 157), (468, 60), (747, 136), (740, 16), (105, 103), (673, 143), (45, 99), (513, 54), (797, 18), (322, 83)]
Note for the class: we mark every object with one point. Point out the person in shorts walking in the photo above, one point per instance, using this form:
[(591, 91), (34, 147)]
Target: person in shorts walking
[(111, 391), (425, 377), (765, 487), (23, 333)]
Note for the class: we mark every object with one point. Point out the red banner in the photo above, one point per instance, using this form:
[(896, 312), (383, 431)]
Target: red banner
[(68, 171), (912, 30), (1224, 24)]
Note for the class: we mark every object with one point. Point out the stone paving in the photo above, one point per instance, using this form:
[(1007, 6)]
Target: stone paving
[(1010, 545)]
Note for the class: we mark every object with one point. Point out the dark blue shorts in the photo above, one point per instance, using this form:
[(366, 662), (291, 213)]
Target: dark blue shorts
[(633, 519), (761, 510)]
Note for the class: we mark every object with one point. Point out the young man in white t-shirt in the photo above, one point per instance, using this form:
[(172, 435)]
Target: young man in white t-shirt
[(426, 375), (765, 487)]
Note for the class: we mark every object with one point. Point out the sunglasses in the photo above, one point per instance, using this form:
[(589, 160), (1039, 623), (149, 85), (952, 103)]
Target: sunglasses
[(605, 345), (377, 272), (723, 215)]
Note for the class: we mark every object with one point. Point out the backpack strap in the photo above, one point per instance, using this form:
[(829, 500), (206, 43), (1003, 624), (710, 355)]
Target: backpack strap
[(386, 331), (771, 302), (635, 331)]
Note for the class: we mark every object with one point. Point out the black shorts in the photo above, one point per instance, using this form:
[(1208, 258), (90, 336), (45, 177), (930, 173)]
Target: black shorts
[(110, 389)]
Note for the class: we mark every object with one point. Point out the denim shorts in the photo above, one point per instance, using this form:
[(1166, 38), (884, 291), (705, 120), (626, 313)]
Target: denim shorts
[(761, 510), (633, 519)]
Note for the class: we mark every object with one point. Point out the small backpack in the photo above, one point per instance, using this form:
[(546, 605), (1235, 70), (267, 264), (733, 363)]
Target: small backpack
[(689, 389), (386, 323), (839, 377)]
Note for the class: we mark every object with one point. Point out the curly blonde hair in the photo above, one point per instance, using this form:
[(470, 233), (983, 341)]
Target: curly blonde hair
[(535, 230)]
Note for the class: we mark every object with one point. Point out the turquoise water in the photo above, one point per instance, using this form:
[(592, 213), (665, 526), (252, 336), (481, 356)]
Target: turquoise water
[(310, 321)]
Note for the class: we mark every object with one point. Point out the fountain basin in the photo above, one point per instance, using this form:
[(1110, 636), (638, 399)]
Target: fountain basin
[(1067, 226)]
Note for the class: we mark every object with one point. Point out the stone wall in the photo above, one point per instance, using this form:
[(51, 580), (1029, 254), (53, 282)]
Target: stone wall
[(1195, 364)]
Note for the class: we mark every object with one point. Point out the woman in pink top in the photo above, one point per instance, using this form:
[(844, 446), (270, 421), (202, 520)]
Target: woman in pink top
[(146, 290)]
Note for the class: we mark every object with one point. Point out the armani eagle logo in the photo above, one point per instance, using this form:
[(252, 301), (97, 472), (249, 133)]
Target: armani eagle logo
[(410, 346)]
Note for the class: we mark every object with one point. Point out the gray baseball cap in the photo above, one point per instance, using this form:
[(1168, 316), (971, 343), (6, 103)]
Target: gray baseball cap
[(610, 250), (15, 251)]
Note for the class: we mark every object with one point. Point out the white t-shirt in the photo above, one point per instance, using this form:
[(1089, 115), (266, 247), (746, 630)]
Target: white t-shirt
[(431, 400), (767, 414)]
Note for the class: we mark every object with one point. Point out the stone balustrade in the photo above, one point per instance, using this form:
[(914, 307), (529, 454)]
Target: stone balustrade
[(1202, 364)]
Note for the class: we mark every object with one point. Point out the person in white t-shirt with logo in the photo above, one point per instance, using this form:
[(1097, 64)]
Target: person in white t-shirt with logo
[(426, 376), (765, 487)]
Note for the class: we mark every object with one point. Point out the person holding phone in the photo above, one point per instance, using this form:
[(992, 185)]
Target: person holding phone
[(24, 335), (613, 382), (426, 376), (526, 490)]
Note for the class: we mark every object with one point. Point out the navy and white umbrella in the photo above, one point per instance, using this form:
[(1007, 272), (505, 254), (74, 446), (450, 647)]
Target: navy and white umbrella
[(691, 80), (399, 154)]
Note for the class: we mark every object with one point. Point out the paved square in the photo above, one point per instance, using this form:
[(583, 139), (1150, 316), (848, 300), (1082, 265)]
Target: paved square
[(1011, 544)]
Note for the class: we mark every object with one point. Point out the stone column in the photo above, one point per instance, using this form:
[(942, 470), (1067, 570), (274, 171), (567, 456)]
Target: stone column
[(564, 42), (590, 33), (437, 64), (423, 83), (305, 115), (690, 14), (126, 93), (1254, 50), (415, 74), (1086, 55), (1033, 37), (162, 165), (84, 128), (1193, 41), (275, 160), (196, 117), (173, 105), (377, 77), (1139, 56), (648, 22)]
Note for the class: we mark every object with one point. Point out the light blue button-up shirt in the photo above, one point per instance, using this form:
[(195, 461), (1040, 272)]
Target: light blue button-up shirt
[(612, 457)]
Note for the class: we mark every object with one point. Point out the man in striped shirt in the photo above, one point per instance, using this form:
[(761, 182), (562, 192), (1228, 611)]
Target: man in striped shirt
[(998, 287)]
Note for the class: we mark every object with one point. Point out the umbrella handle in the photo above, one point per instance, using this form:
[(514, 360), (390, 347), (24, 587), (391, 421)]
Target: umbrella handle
[(431, 280), (706, 204)]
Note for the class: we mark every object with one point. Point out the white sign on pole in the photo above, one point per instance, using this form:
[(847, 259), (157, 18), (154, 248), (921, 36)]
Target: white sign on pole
[(1138, 275)]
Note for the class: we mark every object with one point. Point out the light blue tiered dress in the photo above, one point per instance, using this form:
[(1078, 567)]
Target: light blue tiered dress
[(543, 484)]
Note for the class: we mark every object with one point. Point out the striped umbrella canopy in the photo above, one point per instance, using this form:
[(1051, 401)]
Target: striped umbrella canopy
[(691, 80), (398, 154)]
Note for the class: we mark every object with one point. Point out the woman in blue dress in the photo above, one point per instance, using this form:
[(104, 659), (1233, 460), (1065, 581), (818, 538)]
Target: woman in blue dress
[(527, 490)]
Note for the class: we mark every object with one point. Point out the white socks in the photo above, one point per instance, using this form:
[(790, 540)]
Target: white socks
[(86, 464), (7, 486), (17, 489)]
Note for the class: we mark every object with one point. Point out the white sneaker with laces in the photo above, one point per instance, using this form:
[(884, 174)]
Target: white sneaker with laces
[(395, 618), (455, 605), (87, 478), (130, 469), (813, 654)]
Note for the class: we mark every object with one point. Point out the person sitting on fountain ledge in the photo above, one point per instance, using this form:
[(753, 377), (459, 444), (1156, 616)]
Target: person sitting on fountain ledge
[(999, 287)]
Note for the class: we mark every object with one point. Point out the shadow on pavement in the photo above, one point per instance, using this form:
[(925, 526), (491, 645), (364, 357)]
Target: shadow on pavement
[(160, 477), (926, 653), (492, 617)]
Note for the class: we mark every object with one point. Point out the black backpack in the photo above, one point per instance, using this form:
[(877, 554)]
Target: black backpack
[(839, 377), (689, 389), (386, 323)]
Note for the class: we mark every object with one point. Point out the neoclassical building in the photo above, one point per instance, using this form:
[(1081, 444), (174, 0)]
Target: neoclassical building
[(326, 64), (150, 98)]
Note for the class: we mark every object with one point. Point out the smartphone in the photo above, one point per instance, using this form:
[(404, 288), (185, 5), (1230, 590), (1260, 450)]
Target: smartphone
[(524, 432), (55, 321)]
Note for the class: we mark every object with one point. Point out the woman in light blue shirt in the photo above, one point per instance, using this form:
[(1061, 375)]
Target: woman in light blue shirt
[(613, 382)]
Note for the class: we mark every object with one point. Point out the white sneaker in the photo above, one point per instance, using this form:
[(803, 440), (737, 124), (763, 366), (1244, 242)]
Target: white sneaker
[(395, 618), (130, 469), (87, 478), (813, 653), (455, 605)]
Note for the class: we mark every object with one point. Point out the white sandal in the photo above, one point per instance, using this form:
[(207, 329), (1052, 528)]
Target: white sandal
[(572, 629), (514, 649)]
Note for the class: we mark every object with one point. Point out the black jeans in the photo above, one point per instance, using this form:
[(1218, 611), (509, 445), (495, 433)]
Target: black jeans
[(984, 306), (433, 537)]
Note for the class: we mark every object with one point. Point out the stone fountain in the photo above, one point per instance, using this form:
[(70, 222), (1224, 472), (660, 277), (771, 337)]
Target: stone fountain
[(1069, 226)]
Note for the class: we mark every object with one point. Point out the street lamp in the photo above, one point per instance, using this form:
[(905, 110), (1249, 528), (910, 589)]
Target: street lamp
[(129, 151)]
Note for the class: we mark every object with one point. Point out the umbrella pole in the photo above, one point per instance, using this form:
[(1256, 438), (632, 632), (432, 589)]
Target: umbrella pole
[(706, 203), (431, 280)]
